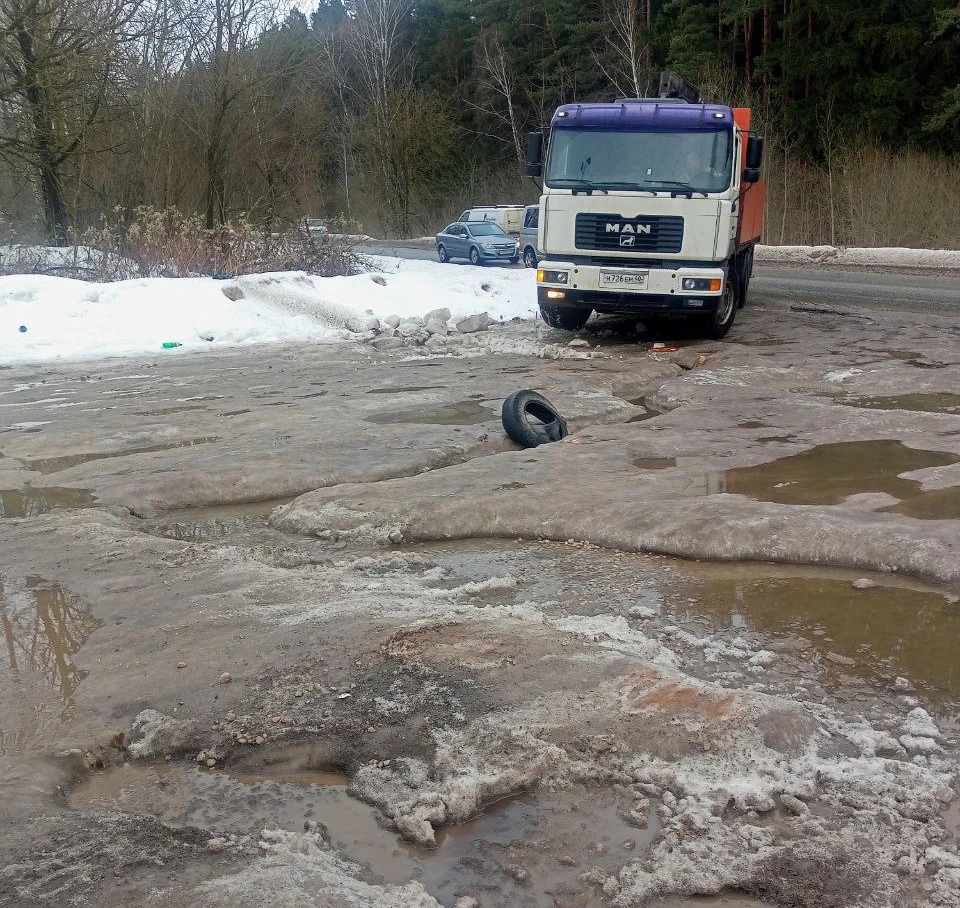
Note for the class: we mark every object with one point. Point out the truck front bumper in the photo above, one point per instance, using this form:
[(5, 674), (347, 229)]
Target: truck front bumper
[(630, 288)]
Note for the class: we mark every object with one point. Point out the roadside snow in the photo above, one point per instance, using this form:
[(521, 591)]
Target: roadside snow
[(70, 319), (879, 256)]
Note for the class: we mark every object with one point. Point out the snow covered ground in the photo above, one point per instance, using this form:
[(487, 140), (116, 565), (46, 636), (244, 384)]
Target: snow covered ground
[(875, 257), (51, 318)]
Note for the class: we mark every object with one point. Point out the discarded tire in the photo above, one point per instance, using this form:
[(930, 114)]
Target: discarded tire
[(530, 419)]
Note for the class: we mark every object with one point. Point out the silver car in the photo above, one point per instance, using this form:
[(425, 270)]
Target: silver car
[(478, 241), (528, 236)]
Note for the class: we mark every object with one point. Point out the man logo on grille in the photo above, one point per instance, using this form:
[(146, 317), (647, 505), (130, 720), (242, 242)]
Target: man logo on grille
[(613, 227), (627, 239)]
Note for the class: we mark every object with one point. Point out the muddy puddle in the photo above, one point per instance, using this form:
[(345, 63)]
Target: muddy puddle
[(209, 524), (462, 413), (893, 629), (522, 851), (32, 502), (56, 464), (923, 403), (828, 474), (900, 627), (44, 627)]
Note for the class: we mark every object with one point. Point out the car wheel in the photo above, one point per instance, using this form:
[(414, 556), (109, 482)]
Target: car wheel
[(564, 317), (474, 255), (514, 260), (442, 254), (529, 257), (531, 420)]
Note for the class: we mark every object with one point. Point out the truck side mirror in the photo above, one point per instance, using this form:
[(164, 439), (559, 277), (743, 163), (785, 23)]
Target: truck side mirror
[(751, 175), (754, 152), (535, 153)]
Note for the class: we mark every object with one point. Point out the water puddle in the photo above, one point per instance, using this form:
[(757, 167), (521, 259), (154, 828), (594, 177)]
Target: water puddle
[(462, 413), (44, 626), (209, 524), (529, 850), (401, 389), (879, 633), (828, 474), (56, 464), (923, 403), (32, 502), (166, 411), (654, 463)]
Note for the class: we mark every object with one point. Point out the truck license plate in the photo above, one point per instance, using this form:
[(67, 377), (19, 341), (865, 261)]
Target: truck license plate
[(635, 280)]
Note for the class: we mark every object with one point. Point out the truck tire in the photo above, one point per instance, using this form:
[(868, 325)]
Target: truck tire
[(565, 318), (744, 273), (531, 420), (718, 323)]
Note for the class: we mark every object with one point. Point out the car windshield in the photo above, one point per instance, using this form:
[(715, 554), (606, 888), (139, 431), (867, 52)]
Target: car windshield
[(658, 161), (486, 229)]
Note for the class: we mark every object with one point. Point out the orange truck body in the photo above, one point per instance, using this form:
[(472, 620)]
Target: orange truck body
[(753, 196)]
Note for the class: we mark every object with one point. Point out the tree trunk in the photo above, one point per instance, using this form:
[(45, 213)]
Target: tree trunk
[(45, 151)]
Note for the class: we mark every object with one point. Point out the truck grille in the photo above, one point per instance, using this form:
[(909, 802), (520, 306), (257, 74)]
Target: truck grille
[(610, 231)]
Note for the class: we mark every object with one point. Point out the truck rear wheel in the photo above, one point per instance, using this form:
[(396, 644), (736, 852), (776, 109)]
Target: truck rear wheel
[(744, 271), (566, 318)]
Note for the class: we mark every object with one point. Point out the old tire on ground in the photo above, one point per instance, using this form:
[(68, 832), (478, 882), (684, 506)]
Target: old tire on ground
[(564, 317), (531, 420), (442, 254)]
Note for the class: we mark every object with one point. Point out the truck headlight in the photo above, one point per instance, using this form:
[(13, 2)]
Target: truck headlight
[(701, 283), (552, 277)]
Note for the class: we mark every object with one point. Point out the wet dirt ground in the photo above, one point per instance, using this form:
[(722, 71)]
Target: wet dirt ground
[(303, 627)]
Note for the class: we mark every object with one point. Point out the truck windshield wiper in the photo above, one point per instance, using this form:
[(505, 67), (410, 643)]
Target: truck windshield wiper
[(676, 184), (584, 185), (623, 184)]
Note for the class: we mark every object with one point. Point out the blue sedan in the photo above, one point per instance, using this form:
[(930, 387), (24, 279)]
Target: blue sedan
[(477, 241)]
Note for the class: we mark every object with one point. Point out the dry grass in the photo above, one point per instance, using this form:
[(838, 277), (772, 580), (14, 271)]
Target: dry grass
[(879, 199), (150, 242)]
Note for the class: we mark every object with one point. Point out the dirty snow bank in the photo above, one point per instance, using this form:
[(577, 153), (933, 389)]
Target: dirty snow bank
[(876, 256), (44, 317)]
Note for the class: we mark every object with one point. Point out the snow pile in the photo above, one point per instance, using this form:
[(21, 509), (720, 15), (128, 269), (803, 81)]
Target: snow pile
[(878, 256), (44, 317)]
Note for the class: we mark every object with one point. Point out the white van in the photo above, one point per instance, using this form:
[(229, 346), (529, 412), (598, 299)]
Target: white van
[(507, 217)]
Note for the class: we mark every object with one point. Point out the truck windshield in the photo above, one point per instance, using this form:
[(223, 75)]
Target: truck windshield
[(658, 161)]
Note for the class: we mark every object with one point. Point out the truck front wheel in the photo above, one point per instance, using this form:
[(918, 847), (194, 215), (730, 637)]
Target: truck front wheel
[(718, 323), (565, 318)]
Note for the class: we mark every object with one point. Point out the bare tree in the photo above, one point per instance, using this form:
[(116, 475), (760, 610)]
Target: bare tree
[(57, 67), (498, 85), (223, 79), (626, 35)]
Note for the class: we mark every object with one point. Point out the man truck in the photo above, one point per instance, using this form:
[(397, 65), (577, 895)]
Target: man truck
[(650, 207)]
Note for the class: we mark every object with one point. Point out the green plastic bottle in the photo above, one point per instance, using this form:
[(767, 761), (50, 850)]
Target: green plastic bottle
[(169, 345)]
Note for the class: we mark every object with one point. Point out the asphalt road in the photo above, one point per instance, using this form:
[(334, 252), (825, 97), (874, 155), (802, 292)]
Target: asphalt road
[(937, 294)]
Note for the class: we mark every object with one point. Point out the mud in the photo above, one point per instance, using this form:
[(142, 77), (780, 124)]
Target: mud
[(32, 502), (455, 670)]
